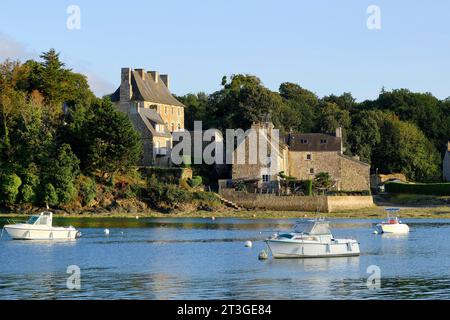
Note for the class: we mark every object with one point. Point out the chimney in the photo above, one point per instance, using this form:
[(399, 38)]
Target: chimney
[(166, 80), (339, 135), (155, 75), (141, 73), (125, 85)]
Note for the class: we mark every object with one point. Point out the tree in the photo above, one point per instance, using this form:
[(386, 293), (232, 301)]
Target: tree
[(404, 148), (322, 181), (111, 142), (50, 197), (10, 184), (365, 134)]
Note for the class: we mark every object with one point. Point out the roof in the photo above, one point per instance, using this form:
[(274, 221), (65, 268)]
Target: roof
[(312, 142), (150, 117), (148, 90)]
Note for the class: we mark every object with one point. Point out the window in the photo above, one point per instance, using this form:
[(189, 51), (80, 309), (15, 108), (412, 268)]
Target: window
[(323, 141), (166, 111), (303, 141), (308, 157), (266, 178), (179, 127), (311, 171), (173, 127)]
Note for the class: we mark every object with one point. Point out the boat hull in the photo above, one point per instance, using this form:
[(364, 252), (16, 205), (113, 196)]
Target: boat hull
[(393, 228), (289, 249), (20, 232)]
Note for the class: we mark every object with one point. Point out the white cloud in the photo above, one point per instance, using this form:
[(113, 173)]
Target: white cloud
[(99, 85), (14, 50)]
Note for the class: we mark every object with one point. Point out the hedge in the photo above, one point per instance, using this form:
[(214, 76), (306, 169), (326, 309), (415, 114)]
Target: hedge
[(437, 189)]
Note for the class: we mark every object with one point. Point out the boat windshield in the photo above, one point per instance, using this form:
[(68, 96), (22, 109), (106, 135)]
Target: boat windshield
[(33, 220), (313, 228)]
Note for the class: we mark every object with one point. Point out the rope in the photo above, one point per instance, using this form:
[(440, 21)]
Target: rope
[(1, 236)]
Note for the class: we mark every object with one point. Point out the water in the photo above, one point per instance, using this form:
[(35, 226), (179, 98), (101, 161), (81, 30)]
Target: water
[(204, 259)]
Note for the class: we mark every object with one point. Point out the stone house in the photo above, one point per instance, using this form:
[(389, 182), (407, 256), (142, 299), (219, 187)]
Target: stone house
[(155, 113), (446, 164), (304, 155), (265, 172)]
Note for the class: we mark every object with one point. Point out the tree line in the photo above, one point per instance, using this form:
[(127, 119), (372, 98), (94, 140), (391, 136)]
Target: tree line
[(400, 131), (56, 137)]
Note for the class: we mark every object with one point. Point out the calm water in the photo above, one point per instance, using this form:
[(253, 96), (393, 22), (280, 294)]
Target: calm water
[(204, 259)]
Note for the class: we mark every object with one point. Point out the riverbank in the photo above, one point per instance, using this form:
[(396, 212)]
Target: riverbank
[(436, 212)]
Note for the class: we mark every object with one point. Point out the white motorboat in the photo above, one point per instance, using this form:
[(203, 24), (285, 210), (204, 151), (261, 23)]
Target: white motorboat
[(313, 241), (392, 224), (40, 227)]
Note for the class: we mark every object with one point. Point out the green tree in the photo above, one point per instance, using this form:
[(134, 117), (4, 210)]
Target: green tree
[(10, 184), (322, 181), (111, 142), (50, 197)]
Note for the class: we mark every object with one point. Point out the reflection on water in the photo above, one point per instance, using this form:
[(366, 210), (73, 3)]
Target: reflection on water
[(204, 259)]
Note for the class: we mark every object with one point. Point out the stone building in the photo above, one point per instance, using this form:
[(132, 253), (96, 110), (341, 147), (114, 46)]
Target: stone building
[(446, 164), (304, 155), (155, 113), (266, 170)]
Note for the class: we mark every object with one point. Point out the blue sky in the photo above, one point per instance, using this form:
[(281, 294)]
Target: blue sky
[(322, 45)]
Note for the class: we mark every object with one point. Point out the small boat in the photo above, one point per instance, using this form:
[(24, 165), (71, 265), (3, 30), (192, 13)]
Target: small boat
[(40, 227), (311, 240), (392, 224)]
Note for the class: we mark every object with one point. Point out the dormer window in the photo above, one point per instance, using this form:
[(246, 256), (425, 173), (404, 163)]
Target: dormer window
[(303, 141), (323, 141)]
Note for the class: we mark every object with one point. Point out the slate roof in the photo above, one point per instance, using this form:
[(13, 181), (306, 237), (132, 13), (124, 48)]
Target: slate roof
[(148, 90), (313, 142)]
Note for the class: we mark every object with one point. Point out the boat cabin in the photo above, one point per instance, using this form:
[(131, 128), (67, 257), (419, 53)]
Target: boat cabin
[(314, 227), (44, 219)]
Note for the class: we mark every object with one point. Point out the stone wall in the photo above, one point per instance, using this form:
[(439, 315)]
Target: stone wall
[(348, 173), (355, 175), (297, 203)]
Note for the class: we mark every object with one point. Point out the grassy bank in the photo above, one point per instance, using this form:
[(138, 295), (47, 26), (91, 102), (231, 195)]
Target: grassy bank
[(437, 212)]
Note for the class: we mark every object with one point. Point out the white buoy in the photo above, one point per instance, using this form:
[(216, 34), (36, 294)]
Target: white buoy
[(248, 244), (106, 232), (137, 217), (213, 218), (263, 255), (375, 232)]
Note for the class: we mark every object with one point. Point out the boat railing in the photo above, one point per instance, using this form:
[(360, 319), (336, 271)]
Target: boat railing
[(12, 221)]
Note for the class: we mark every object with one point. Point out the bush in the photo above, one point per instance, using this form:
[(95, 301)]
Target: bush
[(195, 181), (306, 186), (9, 184), (349, 193), (437, 189), (50, 197), (87, 189)]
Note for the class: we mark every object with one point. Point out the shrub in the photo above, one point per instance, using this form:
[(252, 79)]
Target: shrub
[(87, 189), (195, 181), (9, 184), (306, 186), (50, 197), (437, 189)]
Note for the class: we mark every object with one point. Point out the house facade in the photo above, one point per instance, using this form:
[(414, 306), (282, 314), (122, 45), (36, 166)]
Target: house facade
[(155, 113), (446, 164), (302, 156), (253, 168)]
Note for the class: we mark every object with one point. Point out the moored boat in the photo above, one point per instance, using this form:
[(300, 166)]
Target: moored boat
[(313, 240), (40, 227), (392, 223)]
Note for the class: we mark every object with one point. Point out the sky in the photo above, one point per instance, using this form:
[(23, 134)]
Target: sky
[(323, 45)]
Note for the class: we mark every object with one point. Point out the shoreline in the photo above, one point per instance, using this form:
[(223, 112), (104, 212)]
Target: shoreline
[(430, 212)]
